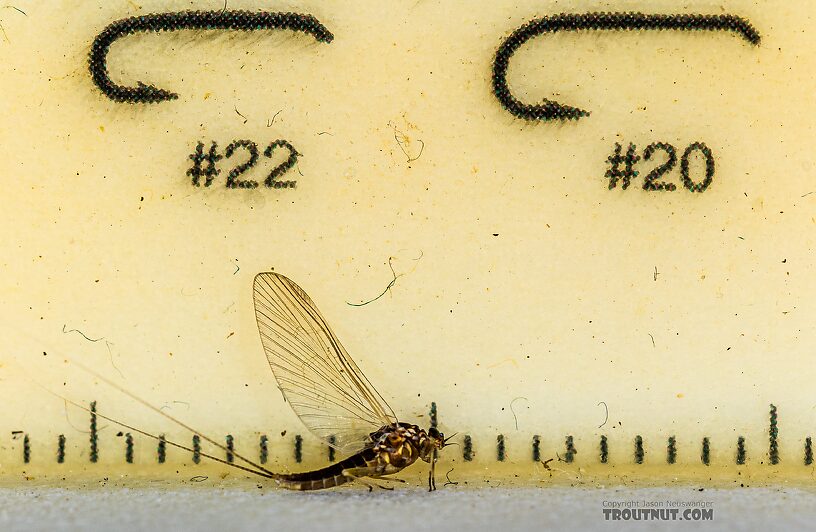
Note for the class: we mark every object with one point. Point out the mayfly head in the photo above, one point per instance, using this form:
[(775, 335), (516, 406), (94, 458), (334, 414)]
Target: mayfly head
[(433, 443)]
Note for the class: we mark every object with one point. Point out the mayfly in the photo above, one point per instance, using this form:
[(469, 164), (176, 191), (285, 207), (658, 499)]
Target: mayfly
[(327, 391), (330, 394)]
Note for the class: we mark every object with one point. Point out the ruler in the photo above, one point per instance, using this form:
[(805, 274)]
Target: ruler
[(580, 233)]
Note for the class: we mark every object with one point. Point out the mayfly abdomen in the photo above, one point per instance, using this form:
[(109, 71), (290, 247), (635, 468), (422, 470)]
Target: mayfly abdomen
[(327, 477)]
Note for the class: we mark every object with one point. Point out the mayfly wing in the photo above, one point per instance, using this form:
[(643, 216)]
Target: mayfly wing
[(317, 377)]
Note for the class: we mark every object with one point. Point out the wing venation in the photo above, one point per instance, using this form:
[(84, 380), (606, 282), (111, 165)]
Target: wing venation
[(319, 380)]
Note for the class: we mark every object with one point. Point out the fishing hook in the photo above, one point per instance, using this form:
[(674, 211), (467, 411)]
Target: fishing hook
[(186, 20), (552, 110)]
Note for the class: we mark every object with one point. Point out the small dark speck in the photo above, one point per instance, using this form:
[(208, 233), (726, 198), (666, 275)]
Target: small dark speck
[(142, 198), (784, 261), (45, 354), (283, 433), (495, 234), (119, 434)]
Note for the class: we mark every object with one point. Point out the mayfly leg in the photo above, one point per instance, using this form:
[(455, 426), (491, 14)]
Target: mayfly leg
[(432, 473), (357, 474)]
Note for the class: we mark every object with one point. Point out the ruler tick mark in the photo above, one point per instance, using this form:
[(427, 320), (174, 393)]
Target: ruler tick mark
[(467, 449), (705, 455), (639, 450), (161, 450), (569, 456), (536, 448), (740, 450), (26, 449), (196, 449), (671, 450), (129, 448), (230, 448), (298, 448), (94, 455), (773, 432), (332, 441), (264, 456), (61, 449)]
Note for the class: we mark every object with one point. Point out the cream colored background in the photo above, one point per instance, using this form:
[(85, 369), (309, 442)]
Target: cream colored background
[(557, 309)]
